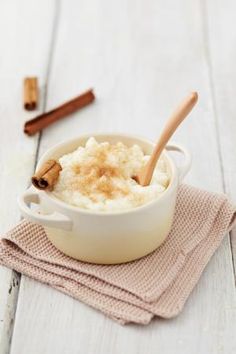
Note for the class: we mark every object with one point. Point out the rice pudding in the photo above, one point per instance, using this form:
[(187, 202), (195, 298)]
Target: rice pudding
[(98, 177)]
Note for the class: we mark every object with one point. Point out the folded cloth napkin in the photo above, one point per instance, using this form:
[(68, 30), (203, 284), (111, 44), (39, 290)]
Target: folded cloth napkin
[(156, 285)]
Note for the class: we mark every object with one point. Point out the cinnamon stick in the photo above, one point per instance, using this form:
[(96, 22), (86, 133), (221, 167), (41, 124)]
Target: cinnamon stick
[(47, 175), (40, 122), (30, 93)]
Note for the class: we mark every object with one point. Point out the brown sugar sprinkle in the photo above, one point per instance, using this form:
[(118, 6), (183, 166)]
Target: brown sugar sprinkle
[(96, 174)]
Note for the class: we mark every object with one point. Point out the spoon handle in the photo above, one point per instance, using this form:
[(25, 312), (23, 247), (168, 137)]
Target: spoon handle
[(179, 114)]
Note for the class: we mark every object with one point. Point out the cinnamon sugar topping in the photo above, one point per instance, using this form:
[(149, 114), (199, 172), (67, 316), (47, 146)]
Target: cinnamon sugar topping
[(99, 177), (96, 176)]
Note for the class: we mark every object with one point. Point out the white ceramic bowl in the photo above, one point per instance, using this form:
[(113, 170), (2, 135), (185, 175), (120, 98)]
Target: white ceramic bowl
[(105, 237)]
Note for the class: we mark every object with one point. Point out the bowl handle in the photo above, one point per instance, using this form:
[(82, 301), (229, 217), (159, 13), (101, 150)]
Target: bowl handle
[(55, 219), (183, 169)]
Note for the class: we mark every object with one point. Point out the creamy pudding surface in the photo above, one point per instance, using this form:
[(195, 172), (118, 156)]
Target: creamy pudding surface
[(98, 177)]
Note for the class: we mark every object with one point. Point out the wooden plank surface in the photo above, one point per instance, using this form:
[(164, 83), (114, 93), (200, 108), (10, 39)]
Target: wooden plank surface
[(141, 58), (221, 41), (25, 29)]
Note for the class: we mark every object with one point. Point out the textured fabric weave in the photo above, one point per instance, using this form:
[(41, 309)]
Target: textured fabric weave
[(156, 285)]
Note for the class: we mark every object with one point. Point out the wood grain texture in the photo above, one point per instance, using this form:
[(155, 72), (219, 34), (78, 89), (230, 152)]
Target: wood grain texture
[(24, 50), (141, 57), (8, 304), (220, 41)]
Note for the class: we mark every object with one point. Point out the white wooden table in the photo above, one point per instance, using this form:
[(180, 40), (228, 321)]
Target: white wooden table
[(142, 57)]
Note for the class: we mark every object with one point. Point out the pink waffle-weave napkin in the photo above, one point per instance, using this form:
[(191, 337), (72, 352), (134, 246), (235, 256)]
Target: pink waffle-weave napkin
[(156, 285)]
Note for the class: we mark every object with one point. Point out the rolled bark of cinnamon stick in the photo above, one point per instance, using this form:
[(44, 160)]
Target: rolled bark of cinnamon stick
[(47, 175), (30, 93), (40, 122)]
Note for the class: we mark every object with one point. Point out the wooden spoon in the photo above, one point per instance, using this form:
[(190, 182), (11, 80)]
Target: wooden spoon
[(145, 175)]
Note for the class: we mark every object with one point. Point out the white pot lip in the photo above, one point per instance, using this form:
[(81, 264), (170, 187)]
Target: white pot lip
[(63, 205)]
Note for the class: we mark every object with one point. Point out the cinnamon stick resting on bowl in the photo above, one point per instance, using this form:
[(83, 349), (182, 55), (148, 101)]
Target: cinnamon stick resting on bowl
[(47, 175), (33, 126)]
